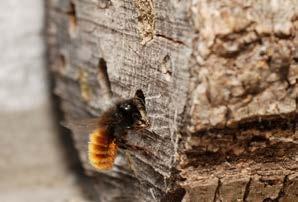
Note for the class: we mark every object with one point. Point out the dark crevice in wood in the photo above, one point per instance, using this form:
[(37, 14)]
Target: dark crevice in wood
[(282, 191), (243, 47), (269, 182), (199, 157), (247, 190), (247, 141), (262, 124), (106, 27), (171, 39), (103, 78), (217, 192), (280, 65)]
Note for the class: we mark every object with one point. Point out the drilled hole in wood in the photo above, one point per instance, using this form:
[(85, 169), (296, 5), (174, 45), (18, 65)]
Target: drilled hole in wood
[(72, 20), (61, 63), (166, 67), (103, 78)]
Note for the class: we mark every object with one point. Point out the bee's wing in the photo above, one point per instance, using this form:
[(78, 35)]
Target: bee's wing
[(84, 126)]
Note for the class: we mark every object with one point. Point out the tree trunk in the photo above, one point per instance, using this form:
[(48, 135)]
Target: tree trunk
[(220, 78)]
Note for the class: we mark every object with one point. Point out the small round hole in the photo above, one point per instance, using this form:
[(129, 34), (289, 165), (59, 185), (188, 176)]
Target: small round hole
[(72, 20), (103, 78), (60, 63)]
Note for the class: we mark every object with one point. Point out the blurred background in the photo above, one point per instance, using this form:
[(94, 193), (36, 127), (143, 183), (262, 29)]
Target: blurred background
[(36, 160)]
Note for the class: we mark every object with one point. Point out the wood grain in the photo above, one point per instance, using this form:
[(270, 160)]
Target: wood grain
[(220, 81)]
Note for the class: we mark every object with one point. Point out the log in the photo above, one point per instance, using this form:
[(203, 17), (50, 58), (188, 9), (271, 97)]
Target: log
[(220, 79)]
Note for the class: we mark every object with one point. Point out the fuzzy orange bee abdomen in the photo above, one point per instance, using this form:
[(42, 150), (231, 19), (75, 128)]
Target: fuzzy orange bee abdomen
[(102, 151)]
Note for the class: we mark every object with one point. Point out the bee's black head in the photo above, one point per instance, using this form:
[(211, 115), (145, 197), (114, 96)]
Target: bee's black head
[(134, 112)]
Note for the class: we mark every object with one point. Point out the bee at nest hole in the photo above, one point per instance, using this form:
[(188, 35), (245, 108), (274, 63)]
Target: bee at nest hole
[(108, 131)]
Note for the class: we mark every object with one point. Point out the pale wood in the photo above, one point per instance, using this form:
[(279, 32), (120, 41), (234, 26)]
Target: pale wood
[(220, 80)]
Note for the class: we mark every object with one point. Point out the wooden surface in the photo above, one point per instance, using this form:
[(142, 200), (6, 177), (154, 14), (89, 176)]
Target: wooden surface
[(34, 164), (220, 81)]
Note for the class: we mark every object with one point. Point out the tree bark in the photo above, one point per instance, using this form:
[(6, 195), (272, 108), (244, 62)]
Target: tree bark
[(220, 78)]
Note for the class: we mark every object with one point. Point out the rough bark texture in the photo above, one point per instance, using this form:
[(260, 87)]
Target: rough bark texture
[(220, 79)]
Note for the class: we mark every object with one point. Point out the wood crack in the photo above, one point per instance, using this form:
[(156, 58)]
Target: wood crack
[(171, 39), (113, 30), (217, 197), (258, 123), (247, 190), (282, 191)]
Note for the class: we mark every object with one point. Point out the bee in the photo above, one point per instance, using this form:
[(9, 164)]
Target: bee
[(109, 130)]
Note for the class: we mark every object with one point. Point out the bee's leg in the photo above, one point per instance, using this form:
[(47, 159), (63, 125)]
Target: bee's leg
[(124, 144), (130, 163), (136, 148)]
